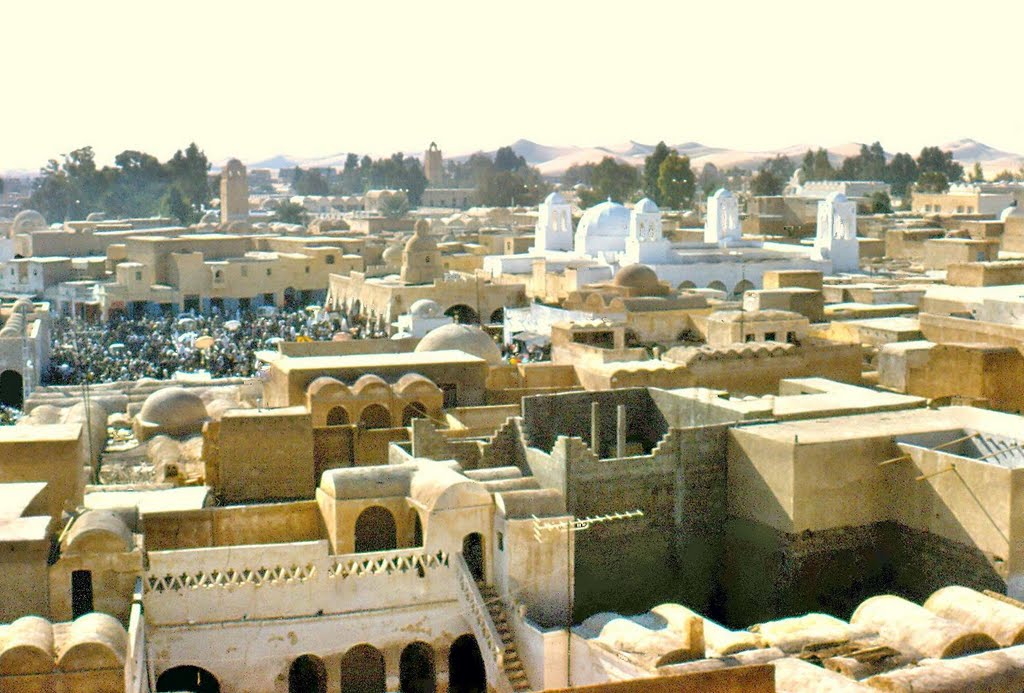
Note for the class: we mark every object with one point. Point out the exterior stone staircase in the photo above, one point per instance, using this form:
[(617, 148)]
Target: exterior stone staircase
[(512, 664)]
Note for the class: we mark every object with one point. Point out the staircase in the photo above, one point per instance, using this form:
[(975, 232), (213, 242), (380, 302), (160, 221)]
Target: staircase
[(512, 664)]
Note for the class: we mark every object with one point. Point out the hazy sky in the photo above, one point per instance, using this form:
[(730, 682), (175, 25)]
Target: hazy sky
[(252, 79)]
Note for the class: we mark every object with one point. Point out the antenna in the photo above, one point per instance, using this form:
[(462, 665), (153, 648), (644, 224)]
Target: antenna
[(569, 528)]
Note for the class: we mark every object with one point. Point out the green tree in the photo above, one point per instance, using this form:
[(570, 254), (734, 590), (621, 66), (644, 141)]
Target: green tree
[(505, 159), (932, 182), (1005, 176), (311, 182), (290, 213), (578, 173), (900, 173), (868, 164), (977, 174), (174, 205), (652, 171), (879, 203), (676, 182), (765, 182), (816, 166), (611, 180), (934, 160)]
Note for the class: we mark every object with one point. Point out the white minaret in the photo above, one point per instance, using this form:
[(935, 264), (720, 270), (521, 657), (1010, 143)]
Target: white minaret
[(722, 226), (554, 225), (645, 243), (836, 237)]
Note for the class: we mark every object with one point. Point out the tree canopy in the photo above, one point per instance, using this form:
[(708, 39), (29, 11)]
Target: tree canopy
[(137, 185), (676, 182), (611, 180)]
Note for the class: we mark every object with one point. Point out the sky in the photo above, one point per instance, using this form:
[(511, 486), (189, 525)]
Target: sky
[(254, 79)]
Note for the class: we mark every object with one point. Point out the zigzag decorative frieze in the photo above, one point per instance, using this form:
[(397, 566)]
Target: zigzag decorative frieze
[(292, 574)]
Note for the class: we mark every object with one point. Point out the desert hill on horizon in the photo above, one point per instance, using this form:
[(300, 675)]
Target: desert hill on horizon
[(554, 160)]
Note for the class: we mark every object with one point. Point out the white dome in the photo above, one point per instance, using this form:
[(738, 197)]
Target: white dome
[(835, 197), (1011, 211), (425, 308), (646, 206), (605, 219), (555, 198), (721, 193)]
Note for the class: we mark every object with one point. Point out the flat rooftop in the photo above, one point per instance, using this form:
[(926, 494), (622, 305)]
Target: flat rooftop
[(40, 433), (287, 364), (890, 424)]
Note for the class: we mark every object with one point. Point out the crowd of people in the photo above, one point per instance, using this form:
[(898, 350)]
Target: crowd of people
[(129, 349)]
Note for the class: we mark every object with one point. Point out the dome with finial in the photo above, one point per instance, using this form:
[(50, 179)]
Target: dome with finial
[(421, 241)]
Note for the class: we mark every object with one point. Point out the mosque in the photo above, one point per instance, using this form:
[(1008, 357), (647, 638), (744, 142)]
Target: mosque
[(464, 297), (610, 236)]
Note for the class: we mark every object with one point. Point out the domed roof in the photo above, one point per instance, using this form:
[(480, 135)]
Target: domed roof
[(467, 338), (721, 193), (646, 206), (640, 278), (834, 197), (98, 531), (555, 198), (421, 242), (425, 308), (96, 216), (392, 255), (174, 411), (27, 221), (1011, 211), (605, 219)]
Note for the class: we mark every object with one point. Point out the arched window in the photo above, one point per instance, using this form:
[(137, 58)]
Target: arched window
[(375, 530), (307, 675), (417, 673), (375, 416), (337, 416), (188, 678), (466, 672), (362, 670)]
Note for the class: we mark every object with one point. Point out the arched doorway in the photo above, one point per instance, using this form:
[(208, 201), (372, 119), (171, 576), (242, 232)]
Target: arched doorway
[(462, 314), (307, 675), (337, 416), (12, 389), (375, 416), (498, 316), (413, 410), (466, 672), (473, 552), (417, 673), (188, 678), (362, 670), (375, 530)]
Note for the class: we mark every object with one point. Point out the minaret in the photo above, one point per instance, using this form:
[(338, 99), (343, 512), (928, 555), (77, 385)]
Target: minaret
[(234, 193), (433, 166), (645, 243), (554, 225)]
